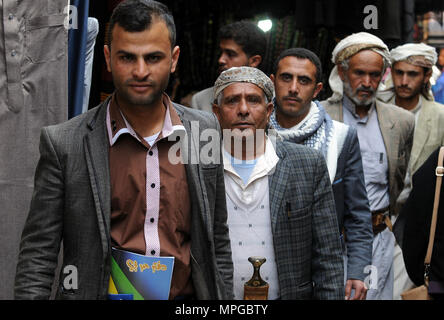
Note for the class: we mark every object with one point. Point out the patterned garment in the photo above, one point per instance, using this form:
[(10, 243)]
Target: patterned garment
[(315, 130), (244, 74)]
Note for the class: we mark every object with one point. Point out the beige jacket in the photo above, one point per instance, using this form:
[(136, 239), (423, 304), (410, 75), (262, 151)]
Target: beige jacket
[(397, 126), (203, 100), (429, 133)]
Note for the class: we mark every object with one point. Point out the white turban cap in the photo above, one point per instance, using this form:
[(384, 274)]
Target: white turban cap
[(347, 48)]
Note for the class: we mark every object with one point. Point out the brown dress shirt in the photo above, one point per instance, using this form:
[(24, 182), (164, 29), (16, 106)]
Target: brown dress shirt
[(150, 205)]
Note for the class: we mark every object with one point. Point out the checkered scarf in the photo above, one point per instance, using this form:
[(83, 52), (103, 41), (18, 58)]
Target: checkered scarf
[(315, 131)]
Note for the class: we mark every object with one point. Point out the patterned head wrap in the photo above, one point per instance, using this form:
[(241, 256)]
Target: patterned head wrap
[(418, 54), (244, 74)]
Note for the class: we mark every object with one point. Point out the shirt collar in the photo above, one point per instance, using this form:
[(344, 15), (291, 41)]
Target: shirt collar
[(351, 107), (117, 124), (415, 110), (265, 165), (418, 106)]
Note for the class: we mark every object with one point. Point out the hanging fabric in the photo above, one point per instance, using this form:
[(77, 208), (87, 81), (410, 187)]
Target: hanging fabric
[(77, 39)]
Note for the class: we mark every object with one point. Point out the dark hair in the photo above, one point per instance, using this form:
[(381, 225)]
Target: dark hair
[(137, 16), (247, 35), (301, 53)]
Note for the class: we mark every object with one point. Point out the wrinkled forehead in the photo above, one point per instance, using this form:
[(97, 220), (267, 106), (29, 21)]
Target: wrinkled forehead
[(242, 88), (367, 60)]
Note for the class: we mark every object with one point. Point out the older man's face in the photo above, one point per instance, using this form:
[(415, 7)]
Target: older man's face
[(243, 107), (362, 77)]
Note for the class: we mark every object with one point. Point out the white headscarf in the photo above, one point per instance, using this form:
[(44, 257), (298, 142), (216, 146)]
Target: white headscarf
[(348, 47), (408, 52)]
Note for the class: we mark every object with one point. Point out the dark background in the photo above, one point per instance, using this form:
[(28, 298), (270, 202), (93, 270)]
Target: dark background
[(314, 24)]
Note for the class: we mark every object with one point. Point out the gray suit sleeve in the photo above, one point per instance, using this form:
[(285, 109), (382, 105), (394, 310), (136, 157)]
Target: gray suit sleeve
[(357, 216), (327, 262), (40, 243), (194, 102), (221, 231)]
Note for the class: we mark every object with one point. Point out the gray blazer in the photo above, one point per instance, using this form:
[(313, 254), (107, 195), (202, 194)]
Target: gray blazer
[(71, 203), (352, 207), (397, 126), (203, 100), (304, 225)]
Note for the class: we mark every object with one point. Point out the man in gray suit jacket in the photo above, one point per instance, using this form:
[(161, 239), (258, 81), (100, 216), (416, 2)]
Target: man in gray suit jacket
[(279, 198), (105, 179), (385, 135), (299, 119)]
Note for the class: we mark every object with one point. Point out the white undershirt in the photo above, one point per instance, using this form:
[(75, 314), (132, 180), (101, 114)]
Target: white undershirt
[(249, 221), (151, 139)]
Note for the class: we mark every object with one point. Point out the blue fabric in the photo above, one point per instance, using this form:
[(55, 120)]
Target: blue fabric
[(76, 58), (438, 89), (243, 168), (382, 280), (373, 152), (93, 30)]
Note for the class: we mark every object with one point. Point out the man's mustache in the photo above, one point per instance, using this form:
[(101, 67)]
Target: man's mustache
[(404, 87), (364, 89), (292, 97), (140, 82)]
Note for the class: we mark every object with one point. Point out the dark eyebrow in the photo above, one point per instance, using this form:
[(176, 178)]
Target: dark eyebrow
[(229, 51), (285, 74), (303, 77), (145, 55), (125, 53)]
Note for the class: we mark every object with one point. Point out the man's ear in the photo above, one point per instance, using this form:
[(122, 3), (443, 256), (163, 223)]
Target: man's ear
[(272, 79), (107, 54), (216, 111), (318, 89), (175, 58), (254, 61), (270, 107)]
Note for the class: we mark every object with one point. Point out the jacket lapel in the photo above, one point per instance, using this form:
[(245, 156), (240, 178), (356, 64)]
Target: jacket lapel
[(191, 147), (277, 184), (422, 132), (389, 135), (334, 110), (97, 159)]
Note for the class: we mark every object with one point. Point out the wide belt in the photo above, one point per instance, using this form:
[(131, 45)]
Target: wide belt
[(381, 220)]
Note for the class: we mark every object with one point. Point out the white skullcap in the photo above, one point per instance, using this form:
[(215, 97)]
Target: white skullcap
[(244, 74)]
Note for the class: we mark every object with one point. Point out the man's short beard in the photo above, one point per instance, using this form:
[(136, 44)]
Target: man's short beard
[(353, 95), (142, 101), (122, 90)]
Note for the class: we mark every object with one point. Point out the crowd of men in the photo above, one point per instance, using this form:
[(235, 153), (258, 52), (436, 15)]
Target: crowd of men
[(313, 186)]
